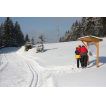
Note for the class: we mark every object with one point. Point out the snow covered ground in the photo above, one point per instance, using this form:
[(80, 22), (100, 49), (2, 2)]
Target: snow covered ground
[(56, 67)]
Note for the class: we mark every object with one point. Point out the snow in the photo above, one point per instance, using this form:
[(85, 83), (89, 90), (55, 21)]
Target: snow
[(56, 67), (90, 36)]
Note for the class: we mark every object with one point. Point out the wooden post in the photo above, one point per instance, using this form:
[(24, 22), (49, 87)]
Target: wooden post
[(94, 43), (84, 44), (87, 55), (97, 60)]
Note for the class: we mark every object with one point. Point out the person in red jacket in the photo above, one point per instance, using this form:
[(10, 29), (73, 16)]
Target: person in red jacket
[(79, 48), (83, 56)]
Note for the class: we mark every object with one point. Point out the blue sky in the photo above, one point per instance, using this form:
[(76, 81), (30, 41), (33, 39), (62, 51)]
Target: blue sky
[(35, 26)]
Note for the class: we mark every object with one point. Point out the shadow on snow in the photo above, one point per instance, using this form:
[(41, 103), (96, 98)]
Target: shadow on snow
[(9, 50), (102, 59), (49, 49)]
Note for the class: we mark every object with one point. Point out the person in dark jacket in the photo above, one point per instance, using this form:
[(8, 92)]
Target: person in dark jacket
[(78, 56), (84, 52)]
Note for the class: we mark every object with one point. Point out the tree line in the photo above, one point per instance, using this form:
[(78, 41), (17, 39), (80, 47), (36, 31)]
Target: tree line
[(95, 26), (11, 34)]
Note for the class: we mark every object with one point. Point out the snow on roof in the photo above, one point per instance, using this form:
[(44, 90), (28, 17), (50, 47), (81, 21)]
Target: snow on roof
[(91, 37)]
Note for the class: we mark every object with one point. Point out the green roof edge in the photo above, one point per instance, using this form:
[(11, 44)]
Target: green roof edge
[(96, 38)]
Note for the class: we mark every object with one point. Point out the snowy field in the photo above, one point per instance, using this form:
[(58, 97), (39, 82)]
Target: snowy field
[(56, 67)]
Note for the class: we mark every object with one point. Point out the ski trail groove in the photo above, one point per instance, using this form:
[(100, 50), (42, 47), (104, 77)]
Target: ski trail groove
[(34, 81)]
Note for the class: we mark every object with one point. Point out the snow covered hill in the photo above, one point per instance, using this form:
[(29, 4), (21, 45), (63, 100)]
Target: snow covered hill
[(55, 67)]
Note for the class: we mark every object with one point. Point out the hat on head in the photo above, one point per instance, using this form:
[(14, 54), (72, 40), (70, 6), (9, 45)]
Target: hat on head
[(79, 46), (83, 46)]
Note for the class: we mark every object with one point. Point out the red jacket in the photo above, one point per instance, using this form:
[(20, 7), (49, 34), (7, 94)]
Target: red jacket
[(79, 49), (83, 49)]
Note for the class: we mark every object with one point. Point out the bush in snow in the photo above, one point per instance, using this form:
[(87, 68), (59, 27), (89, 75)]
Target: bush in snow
[(28, 46), (40, 48)]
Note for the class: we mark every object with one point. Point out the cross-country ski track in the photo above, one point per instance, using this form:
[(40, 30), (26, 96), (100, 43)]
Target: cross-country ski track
[(17, 70), (15, 66)]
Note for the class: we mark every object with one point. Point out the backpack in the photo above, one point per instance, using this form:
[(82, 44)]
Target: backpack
[(77, 52)]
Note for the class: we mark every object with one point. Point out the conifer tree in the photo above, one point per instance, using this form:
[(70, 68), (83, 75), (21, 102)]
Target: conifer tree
[(32, 40), (40, 48), (66, 32), (76, 23), (11, 34), (18, 35), (73, 25), (103, 22), (60, 39), (79, 24), (6, 35), (0, 36), (27, 38), (89, 26), (22, 40)]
